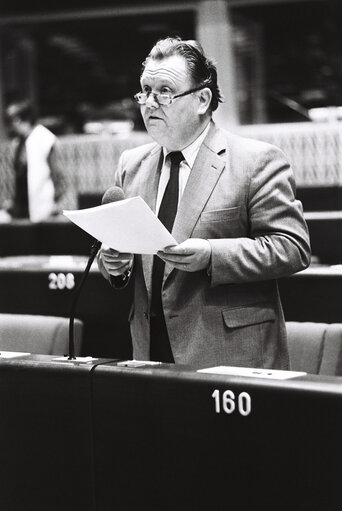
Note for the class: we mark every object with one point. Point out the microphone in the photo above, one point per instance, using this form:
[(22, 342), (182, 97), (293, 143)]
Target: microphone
[(113, 194)]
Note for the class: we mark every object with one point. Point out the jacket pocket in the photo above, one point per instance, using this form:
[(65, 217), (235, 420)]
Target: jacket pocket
[(248, 315), (220, 215)]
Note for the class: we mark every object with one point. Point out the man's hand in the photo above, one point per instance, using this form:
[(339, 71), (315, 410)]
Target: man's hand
[(116, 263), (193, 254)]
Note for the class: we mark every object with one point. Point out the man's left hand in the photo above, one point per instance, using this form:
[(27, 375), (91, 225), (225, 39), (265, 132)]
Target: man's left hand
[(193, 254)]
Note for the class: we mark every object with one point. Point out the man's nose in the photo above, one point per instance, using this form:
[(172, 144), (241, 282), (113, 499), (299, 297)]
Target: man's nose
[(151, 101)]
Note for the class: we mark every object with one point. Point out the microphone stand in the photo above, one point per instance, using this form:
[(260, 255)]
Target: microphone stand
[(93, 251)]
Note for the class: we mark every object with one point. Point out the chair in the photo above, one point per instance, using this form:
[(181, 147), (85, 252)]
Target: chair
[(46, 335), (315, 348)]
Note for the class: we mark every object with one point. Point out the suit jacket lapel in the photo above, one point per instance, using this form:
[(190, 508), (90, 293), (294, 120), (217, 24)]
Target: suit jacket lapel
[(202, 180), (149, 174)]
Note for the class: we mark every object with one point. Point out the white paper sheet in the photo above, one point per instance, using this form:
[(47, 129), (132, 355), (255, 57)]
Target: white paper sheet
[(128, 225), (13, 354), (275, 374)]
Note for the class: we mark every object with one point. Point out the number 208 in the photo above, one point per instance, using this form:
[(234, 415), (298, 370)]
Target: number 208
[(228, 403)]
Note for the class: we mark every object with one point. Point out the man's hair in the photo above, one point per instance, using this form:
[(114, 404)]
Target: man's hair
[(202, 69), (24, 110)]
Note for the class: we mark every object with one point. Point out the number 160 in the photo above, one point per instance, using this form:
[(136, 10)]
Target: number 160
[(243, 404)]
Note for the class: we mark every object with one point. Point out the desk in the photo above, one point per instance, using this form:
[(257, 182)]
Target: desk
[(325, 229), (46, 285), (104, 437), (314, 294), (51, 237), (46, 455)]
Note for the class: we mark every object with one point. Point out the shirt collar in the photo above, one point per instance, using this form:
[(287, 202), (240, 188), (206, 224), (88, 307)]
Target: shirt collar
[(191, 151)]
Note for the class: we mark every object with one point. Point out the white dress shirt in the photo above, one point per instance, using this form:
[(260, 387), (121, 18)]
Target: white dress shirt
[(40, 187), (190, 153)]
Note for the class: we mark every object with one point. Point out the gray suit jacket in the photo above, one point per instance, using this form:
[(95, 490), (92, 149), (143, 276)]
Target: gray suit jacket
[(239, 196)]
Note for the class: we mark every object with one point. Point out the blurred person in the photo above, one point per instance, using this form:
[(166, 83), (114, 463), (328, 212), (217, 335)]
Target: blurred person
[(34, 190), (212, 299)]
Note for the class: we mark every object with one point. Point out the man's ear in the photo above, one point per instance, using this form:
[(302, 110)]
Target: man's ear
[(204, 96)]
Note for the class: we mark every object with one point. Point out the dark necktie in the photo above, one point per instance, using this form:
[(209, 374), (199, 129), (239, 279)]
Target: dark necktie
[(20, 205), (166, 214), (169, 203)]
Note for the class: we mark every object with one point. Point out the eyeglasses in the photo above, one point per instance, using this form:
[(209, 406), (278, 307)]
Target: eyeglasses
[(164, 99)]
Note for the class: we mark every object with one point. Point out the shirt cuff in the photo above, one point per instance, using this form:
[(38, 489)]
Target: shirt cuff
[(122, 280)]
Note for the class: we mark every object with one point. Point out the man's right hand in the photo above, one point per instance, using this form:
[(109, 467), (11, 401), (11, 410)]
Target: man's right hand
[(116, 263)]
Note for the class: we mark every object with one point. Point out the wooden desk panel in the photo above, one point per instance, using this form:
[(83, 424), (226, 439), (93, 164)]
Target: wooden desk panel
[(53, 237), (165, 440), (46, 285), (314, 294), (105, 437), (46, 456)]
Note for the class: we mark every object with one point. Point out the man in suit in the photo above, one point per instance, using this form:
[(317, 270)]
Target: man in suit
[(213, 298), (34, 190)]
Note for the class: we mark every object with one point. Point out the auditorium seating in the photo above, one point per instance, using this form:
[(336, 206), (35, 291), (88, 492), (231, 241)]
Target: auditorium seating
[(315, 348), (45, 335)]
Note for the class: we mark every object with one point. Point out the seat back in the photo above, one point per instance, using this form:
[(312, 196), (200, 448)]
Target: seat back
[(45, 335), (315, 348)]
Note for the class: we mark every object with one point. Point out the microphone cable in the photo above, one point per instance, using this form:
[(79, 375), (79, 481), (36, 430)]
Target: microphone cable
[(113, 194)]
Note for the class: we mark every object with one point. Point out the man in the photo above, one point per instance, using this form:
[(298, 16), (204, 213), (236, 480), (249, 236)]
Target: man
[(34, 191), (238, 225)]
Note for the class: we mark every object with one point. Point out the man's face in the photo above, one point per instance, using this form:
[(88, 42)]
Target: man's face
[(174, 126), (19, 127)]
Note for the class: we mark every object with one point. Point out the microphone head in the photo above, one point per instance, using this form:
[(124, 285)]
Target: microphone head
[(113, 194)]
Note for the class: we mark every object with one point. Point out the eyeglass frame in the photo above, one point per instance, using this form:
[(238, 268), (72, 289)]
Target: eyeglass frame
[(172, 98)]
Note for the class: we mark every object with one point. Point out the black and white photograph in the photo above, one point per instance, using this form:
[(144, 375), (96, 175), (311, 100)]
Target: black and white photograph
[(171, 255)]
